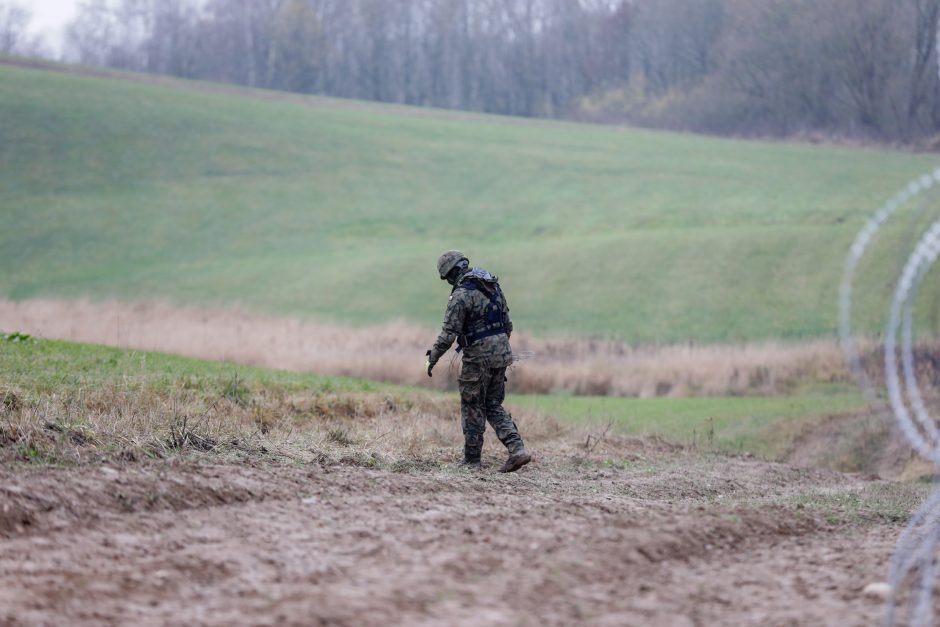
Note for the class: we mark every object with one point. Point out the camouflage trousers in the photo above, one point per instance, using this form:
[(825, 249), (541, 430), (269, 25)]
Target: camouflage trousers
[(482, 391)]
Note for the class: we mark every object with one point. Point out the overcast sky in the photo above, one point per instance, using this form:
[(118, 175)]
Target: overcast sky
[(50, 17)]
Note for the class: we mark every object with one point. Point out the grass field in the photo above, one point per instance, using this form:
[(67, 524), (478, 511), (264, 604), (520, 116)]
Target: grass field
[(764, 425), (66, 381), (338, 211), (49, 367)]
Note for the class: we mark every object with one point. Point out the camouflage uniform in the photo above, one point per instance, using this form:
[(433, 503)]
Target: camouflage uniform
[(477, 317)]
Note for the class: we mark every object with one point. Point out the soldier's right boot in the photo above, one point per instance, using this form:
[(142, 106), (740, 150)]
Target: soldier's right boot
[(516, 461)]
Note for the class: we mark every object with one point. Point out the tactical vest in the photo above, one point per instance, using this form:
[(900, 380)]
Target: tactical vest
[(493, 320)]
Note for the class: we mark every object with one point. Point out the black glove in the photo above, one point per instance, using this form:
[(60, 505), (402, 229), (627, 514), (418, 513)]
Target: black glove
[(428, 365)]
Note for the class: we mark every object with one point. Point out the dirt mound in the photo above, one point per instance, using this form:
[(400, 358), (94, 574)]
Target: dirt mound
[(566, 540), (40, 501), (864, 443), (16, 517)]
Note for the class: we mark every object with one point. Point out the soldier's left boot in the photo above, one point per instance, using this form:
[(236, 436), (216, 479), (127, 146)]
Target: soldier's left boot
[(516, 461), (471, 458)]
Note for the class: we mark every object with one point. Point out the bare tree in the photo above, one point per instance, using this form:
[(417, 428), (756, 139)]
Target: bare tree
[(14, 25), (296, 48), (857, 67)]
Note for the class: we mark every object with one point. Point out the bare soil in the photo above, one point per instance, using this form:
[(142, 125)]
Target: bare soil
[(668, 537)]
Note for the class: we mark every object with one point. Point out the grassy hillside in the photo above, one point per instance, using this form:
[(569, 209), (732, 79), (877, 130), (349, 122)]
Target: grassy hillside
[(329, 210)]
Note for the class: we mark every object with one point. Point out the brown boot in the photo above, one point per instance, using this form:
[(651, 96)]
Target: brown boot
[(516, 461), (471, 464)]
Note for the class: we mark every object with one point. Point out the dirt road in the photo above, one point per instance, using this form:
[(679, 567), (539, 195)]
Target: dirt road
[(666, 538)]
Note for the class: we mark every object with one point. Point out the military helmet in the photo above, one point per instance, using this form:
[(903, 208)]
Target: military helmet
[(448, 261)]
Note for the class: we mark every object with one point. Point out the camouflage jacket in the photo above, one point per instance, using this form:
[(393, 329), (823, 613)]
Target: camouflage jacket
[(475, 303)]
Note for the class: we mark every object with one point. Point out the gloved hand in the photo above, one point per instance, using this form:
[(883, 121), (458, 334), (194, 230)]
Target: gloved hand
[(428, 365)]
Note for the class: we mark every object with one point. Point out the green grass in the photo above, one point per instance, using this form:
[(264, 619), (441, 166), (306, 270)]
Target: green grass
[(883, 502), (762, 426), (116, 188), (47, 367)]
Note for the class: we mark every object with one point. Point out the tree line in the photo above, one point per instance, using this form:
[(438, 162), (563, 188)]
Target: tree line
[(852, 68)]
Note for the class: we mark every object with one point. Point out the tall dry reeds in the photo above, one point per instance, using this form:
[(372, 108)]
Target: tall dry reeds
[(610, 368), (395, 352)]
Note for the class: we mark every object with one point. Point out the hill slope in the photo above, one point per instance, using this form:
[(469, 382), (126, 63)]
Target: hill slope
[(335, 210)]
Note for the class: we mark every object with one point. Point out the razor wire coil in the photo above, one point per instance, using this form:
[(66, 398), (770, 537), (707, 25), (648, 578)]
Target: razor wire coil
[(916, 548)]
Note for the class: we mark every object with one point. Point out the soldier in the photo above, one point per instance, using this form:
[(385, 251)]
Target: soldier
[(477, 317)]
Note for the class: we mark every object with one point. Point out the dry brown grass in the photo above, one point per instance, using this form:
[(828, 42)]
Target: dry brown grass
[(114, 423), (610, 368), (394, 352)]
